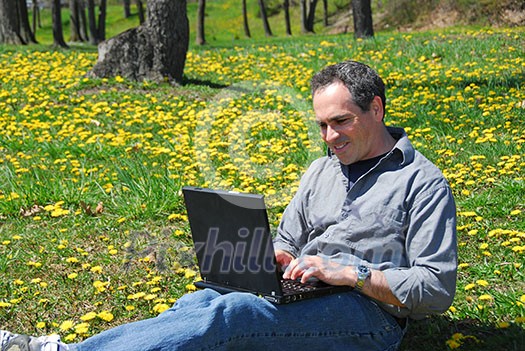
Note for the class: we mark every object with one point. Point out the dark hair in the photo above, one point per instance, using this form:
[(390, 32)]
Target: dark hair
[(362, 82)]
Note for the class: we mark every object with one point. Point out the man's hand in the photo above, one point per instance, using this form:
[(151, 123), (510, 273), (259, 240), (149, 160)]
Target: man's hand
[(283, 259), (308, 267)]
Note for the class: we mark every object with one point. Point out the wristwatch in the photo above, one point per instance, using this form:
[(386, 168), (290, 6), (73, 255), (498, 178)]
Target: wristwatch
[(363, 272)]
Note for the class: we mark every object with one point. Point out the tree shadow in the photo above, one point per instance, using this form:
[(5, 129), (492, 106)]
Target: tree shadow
[(202, 83), (469, 334)]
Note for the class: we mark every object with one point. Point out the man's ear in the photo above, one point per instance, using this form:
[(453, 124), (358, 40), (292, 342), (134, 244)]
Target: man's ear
[(377, 108)]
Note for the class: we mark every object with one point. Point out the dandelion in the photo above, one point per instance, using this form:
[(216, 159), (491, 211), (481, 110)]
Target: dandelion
[(96, 269), (469, 286), (161, 307), (88, 316), (66, 325), (106, 316), (70, 337), (82, 328)]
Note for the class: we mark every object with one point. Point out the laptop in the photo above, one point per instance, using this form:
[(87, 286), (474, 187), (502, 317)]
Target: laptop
[(234, 247)]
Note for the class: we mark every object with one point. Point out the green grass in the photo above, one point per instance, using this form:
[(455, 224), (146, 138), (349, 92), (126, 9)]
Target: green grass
[(91, 217)]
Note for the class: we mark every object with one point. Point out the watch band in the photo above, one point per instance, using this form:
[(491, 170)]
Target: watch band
[(363, 272)]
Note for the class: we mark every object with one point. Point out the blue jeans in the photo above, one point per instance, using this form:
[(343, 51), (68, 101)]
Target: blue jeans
[(206, 320)]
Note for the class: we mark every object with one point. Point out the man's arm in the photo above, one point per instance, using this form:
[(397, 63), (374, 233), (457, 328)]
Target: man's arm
[(333, 273)]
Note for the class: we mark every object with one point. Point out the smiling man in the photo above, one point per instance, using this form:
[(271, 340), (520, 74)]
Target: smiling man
[(374, 214)]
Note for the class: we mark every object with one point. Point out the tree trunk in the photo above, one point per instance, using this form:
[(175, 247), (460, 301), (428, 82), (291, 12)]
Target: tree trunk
[(245, 19), (286, 6), (201, 13), (82, 20), (93, 33), (362, 14), (311, 16), (74, 22), (102, 21), (9, 25), (325, 13), (140, 10), (23, 18), (304, 11), (264, 18), (127, 8), (58, 35), (36, 15), (154, 51)]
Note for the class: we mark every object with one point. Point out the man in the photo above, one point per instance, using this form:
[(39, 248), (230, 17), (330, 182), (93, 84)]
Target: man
[(374, 214)]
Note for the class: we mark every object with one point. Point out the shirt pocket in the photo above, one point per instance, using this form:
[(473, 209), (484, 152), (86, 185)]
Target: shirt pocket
[(376, 234)]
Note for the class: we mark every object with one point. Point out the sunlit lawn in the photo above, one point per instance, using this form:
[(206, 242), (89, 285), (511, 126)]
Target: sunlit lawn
[(93, 232)]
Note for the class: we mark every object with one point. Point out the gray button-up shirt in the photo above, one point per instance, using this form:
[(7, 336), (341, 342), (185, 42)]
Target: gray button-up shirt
[(399, 218)]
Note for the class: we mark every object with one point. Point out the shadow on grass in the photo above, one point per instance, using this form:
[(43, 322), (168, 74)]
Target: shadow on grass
[(433, 333)]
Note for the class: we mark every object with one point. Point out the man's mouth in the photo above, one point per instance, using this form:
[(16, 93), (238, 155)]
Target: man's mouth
[(340, 147)]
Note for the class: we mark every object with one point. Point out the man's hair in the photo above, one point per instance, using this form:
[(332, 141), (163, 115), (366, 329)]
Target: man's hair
[(362, 82)]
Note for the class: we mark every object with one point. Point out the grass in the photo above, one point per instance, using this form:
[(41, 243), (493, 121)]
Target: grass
[(93, 232)]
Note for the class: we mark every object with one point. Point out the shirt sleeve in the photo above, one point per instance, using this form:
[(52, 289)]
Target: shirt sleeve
[(294, 229), (428, 285)]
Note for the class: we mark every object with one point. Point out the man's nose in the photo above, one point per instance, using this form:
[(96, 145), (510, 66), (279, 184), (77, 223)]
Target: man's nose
[(331, 134)]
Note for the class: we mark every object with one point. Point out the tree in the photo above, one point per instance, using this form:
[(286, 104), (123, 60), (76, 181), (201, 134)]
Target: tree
[(77, 21), (325, 13), (97, 29), (9, 30), (311, 16), (127, 8), (140, 10), (58, 35), (264, 18), (23, 18), (308, 15), (286, 7), (14, 23), (245, 19), (155, 50), (201, 13), (362, 14)]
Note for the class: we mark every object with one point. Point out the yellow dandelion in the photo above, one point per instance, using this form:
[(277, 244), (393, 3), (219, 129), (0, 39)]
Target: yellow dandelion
[(88, 316), (161, 307), (470, 286), (106, 316), (66, 325)]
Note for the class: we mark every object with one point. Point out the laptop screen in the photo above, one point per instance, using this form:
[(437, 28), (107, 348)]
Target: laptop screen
[(232, 238)]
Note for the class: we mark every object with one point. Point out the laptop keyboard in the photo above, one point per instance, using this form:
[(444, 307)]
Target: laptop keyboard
[(294, 286)]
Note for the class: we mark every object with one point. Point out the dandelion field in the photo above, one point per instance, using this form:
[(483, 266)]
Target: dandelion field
[(93, 231)]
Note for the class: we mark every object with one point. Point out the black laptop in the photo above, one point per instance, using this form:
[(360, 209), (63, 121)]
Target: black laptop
[(234, 247)]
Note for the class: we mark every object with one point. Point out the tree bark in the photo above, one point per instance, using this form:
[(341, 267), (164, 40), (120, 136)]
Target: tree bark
[(362, 14), (127, 8), (102, 20), (201, 13), (9, 25), (25, 28), (245, 19), (58, 35), (74, 21), (264, 18), (140, 11), (311, 16), (304, 12), (82, 20), (154, 51), (93, 33), (325, 13), (286, 6)]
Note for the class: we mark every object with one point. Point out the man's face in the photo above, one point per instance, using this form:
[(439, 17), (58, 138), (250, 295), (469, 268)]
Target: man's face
[(348, 131)]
